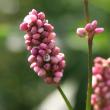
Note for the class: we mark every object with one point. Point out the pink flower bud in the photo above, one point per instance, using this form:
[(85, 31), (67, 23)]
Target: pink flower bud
[(93, 99), (41, 73), (30, 18), (27, 37), (39, 23), (108, 82), (104, 89), (34, 51), (55, 67), (81, 32), (31, 58), (94, 81), (33, 12), (58, 74), (36, 36), (52, 35), (28, 42), (28, 48), (23, 26), (35, 42), (54, 60), (36, 69), (45, 33), (33, 65), (34, 30), (94, 24), (51, 45), (42, 52), (47, 66), (89, 27), (40, 30), (57, 80), (99, 30), (62, 64), (39, 59), (41, 15), (98, 60), (97, 70), (48, 27), (97, 90), (43, 46), (56, 50)]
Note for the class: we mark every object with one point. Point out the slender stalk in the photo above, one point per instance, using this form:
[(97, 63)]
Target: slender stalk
[(86, 10), (90, 39), (89, 89), (65, 98)]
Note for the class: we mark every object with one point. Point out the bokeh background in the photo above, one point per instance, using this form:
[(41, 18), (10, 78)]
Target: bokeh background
[(20, 88)]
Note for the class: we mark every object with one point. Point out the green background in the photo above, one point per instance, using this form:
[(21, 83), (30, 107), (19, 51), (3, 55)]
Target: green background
[(20, 88)]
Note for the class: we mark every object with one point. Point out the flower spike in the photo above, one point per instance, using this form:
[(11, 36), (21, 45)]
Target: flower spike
[(46, 59)]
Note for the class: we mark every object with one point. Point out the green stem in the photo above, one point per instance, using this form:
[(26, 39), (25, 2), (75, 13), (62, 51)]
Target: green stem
[(65, 98), (90, 39), (86, 11), (89, 89)]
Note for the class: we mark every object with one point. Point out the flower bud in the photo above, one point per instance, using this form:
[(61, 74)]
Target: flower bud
[(81, 32), (99, 30)]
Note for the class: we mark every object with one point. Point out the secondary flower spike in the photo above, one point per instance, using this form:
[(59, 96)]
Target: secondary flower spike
[(101, 84), (89, 30), (46, 59)]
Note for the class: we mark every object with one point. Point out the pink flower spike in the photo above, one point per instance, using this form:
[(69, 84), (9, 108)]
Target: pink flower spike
[(46, 58), (99, 30), (101, 84), (81, 32)]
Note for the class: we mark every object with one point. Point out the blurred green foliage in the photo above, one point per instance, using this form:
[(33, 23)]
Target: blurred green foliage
[(20, 88)]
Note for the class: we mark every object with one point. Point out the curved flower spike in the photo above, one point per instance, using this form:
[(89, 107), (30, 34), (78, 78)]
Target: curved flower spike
[(46, 59)]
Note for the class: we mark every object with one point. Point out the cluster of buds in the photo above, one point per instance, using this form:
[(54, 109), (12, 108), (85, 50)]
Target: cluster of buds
[(89, 30), (100, 98), (46, 59)]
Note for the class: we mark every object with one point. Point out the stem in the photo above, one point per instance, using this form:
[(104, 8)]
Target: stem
[(86, 10), (65, 98), (89, 89)]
